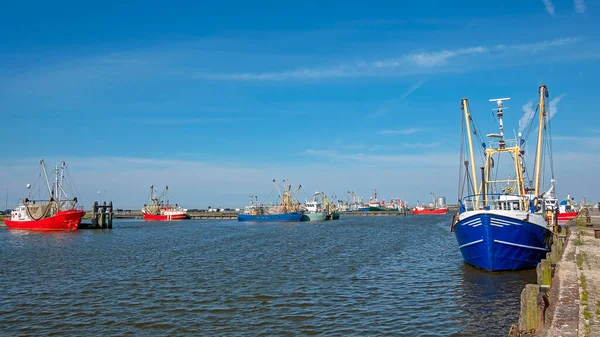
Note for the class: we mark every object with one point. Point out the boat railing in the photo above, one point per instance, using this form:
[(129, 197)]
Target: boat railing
[(496, 201), (507, 143)]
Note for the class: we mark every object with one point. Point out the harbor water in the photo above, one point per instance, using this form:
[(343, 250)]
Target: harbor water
[(368, 276)]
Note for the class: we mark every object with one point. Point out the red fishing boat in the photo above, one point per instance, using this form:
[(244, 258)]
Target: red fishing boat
[(438, 206), (58, 213), (157, 210), (564, 211)]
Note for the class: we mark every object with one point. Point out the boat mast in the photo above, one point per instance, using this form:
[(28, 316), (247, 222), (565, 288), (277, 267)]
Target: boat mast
[(56, 193), (538, 155), (46, 175), (472, 156), (62, 178)]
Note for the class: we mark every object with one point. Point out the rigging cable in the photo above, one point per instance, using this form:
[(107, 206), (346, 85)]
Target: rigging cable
[(460, 163)]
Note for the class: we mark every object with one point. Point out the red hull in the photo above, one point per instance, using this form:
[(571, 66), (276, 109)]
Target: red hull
[(61, 221), (151, 217), (431, 211), (567, 216), (563, 218)]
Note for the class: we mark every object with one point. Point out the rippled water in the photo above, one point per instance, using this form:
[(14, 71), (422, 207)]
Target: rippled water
[(360, 275)]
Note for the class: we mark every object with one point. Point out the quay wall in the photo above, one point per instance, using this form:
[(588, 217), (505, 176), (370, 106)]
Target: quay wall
[(565, 301)]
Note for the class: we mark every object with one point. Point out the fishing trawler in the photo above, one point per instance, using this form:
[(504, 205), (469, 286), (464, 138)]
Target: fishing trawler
[(499, 225), (374, 204), (158, 210), (568, 209), (558, 213), (57, 213), (287, 209), (355, 203), (438, 206), (395, 205), (314, 209)]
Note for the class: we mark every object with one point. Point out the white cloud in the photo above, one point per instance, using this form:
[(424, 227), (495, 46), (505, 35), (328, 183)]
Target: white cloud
[(579, 6), (179, 121), (412, 89), (195, 184), (441, 57), (529, 113), (553, 106), (433, 159), (400, 131), (549, 7), (305, 73), (410, 63), (537, 46)]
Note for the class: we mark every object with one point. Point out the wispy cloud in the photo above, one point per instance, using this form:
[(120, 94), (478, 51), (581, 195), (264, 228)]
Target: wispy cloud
[(529, 112), (527, 117), (441, 57), (537, 46), (549, 7), (378, 113), (579, 6), (179, 121), (409, 63), (553, 106), (412, 89), (437, 159), (305, 73), (408, 131)]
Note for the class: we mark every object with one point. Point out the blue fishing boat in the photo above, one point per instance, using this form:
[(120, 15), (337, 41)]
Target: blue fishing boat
[(293, 216), (500, 224), (287, 210)]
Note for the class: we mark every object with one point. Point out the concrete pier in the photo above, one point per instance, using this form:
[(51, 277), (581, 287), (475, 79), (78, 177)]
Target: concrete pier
[(568, 290)]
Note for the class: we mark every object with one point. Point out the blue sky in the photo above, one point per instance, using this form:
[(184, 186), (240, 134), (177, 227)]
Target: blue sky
[(215, 100)]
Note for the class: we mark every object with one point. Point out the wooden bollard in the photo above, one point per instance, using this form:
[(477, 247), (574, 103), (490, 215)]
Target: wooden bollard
[(544, 272), (563, 240), (528, 318), (554, 252)]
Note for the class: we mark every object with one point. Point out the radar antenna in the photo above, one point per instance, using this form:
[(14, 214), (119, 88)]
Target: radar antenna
[(500, 114)]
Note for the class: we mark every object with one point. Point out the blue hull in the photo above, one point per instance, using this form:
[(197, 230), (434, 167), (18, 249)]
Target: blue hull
[(296, 216), (494, 242)]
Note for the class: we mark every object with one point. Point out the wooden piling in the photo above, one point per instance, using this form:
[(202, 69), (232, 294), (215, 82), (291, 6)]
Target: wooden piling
[(528, 319), (544, 273)]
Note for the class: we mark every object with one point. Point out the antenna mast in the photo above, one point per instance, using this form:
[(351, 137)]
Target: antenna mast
[(500, 114)]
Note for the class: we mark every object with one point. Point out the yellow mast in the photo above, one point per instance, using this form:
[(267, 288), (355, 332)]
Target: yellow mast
[(538, 155), (472, 156)]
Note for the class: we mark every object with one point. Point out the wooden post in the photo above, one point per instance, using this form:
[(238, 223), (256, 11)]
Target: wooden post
[(110, 214), (528, 318), (554, 252), (544, 273), (102, 219)]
